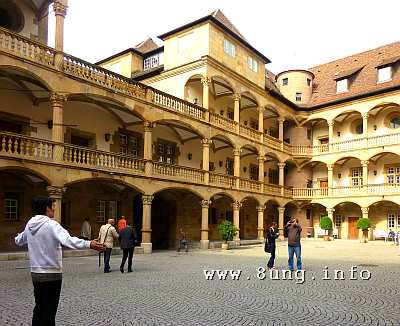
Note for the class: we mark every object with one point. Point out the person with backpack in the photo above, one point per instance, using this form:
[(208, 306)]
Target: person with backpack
[(270, 236), (128, 240)]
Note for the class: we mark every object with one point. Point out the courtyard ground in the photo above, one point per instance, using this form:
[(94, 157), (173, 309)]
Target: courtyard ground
[(167, 288)]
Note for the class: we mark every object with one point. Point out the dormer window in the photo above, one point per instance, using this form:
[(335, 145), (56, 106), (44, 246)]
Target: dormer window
[(285, 81), (229, 48), (384, 74), (342, 85), (308, 82)]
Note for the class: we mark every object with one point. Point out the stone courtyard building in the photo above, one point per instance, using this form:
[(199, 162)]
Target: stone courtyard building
[(193, 132)]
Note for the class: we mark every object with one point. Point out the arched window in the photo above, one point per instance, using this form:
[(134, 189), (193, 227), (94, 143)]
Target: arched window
[(11, 16)]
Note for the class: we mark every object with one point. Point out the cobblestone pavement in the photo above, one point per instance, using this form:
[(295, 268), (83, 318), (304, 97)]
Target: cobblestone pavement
[(167, 288)]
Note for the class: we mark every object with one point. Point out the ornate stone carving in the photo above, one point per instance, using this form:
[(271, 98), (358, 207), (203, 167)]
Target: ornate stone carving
[(236, 205), (236, 151), (205, 203), (236, 97), (364, 163), (58, 99), (148, 126), (147, 199), (260, 209), (281, 210), (261, 159), (281, 165), (60, 9), (56, 192), (206, 81), (206, 142), (364, 210), (330, 166)]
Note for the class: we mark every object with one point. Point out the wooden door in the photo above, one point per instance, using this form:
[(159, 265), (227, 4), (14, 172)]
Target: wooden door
[(353, 231), (323, 183)]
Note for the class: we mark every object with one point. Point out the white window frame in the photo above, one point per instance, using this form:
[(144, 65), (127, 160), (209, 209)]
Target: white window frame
[(285, 81), (342, 86), (252, 64), (11, 209), (101, 210), (229, 48), (338, 221), (393, 175), (391, 220), (384, 74), (356, 177), (298, 96)]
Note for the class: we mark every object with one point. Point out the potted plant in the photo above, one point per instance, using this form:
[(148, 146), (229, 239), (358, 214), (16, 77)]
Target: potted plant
[(326, 224), (227, 231), (364, 224)]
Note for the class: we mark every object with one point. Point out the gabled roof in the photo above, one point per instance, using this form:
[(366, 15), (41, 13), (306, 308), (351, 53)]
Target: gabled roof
[(146, 46), (363, 66), (219, 19)]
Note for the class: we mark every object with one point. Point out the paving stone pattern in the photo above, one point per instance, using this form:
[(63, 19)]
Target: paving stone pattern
[(167, 288)]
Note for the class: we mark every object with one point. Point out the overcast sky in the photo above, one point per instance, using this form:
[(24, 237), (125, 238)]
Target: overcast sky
[(291, 33)]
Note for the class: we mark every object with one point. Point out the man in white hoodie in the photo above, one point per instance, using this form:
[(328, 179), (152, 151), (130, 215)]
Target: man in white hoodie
[(44, 237)]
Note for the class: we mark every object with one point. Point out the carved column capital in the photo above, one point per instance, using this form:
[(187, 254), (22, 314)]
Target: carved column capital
[(147, 199), (331, 123), (281, 210), (206, 142), (236, 205), (281, 165), (205, 203), (365, 115), (260, 208), (58, 99), (206, 81), (364, 163), (236, 97), (261, 158), (148, 126), (260, 109), (56, 192), (364, 210), (330, 166), (330, 211), (236, 151), (281, 120), (60, 9)]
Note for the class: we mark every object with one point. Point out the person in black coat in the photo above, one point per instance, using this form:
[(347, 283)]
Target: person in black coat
[(128, 240), (270, 236)]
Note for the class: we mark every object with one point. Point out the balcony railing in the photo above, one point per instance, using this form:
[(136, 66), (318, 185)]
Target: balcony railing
[(178, 172), (309, 193), (222, 180), (272, 189), (250, 132), (227, 124), (272, 142), (85, 157), (15, 145), (250, 185)]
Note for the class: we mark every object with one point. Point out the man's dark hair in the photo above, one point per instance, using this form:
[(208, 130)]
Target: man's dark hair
[(87, 219), (40, 203)]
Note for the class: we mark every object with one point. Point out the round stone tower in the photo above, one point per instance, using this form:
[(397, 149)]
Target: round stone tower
[(296, 85)]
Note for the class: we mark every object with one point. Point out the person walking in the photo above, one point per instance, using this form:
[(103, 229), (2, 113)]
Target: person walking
[(270, 246), (121, 223), (44, 237), (293, 229), (86, 229), (128, 240), (107, 234), (183, 243)]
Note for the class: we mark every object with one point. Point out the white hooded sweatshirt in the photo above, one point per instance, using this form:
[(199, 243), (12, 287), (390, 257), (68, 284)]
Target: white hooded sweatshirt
[(44, 238)]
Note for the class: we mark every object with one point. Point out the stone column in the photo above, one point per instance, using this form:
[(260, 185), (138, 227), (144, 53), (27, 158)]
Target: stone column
[(206, 159), (60, 11), (282, 177), (57, 101), (148, 147), (365, 173), (261, 160), (204, 242), (330, 133), (236, 210), (281, 120), (236, 165), (365, 211), (236, 110), (330, 179), (329, 212), (365, 124), (261, 123), (281, 212), (260, 222), (206, 81), (146, 226), (56, 193)]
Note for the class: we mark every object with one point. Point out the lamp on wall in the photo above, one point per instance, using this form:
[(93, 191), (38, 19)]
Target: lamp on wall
[(375, 127), (244, 169), (339, 175), (220, 164), (338, 133), (375, 172), (221, 112), (245, 122), (107, 137), (190, 156)]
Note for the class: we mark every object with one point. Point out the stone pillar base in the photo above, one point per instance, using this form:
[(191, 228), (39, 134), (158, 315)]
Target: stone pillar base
[(147, 247), (204, 244)]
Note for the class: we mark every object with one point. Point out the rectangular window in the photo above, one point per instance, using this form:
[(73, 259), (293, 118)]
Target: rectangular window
[(229, 48), (342, 85), (338, 221), (393, 175), (391, 221), (384, 74), (356, 177), (230, 114), (285, 81), (11, 207), (153, 61), (112, 209), (308, 82), (252, 63), (273, 176), (229, 166), (101, 211), (166, 152), (253, 172), (254, 124), (298, 97), (128, 144)]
